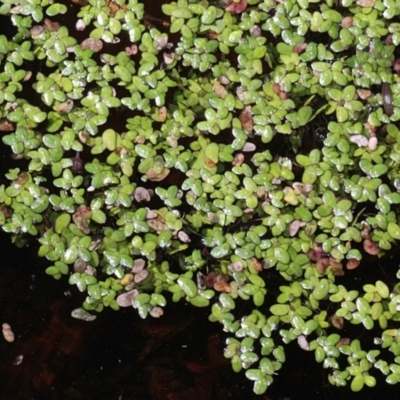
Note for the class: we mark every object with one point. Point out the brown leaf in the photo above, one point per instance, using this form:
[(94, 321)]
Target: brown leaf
[(131, 50), (301, 188), (209, 162), (347, 22), (364, 93), (343, 342), (168, 58), (80, 217), (211, 279), (50, 25), (256, 264), (237, 8), (240, 93), (370, 247), (295, 226), (156, 312), (222, 286), (151, 214), (125, 299), (238, 159), (370, 128), (337, 322), (157, 225), (36, 31), (141, 194), (365, 233), (352, 264), (201, 281), (246, 119), (65, 107), (365, 3), (154, 176), (79, 265), (299, 48), (141, 276), (276, 88), (93, 44), (322, 265), (183, 237), (396, 66), (220, 90), (236, 266), (80, 2), (336, 267), (138, 265), (161, 42), (255, 31), (6, 126), (162, 113)]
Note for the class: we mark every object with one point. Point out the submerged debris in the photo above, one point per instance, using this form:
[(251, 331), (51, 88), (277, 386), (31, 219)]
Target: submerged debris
[(8, 333), (82, 314), (18, 360)]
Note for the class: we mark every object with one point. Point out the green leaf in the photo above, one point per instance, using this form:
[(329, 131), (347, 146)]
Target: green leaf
[(209, 15), (188, 286), (61, 267), (168, 9), (199, 301), (321, 290), (39, 117), (220, 251), (357, 383), (62, 222), (394, 230), (303, 160), (212, 151), (280, 309), (145, 151), (98, 216), (56, 9), (255, 374), (181, 13), (51, 270), (94, 291), (382, 289), (110, 139)]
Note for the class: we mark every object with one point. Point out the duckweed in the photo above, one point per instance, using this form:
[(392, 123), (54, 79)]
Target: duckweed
[(189, 158)]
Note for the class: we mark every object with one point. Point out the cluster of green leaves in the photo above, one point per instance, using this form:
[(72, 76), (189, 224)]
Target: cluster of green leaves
[(187, 164)]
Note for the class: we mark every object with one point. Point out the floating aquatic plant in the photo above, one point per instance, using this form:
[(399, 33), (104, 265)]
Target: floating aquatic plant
[(219, 153)]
